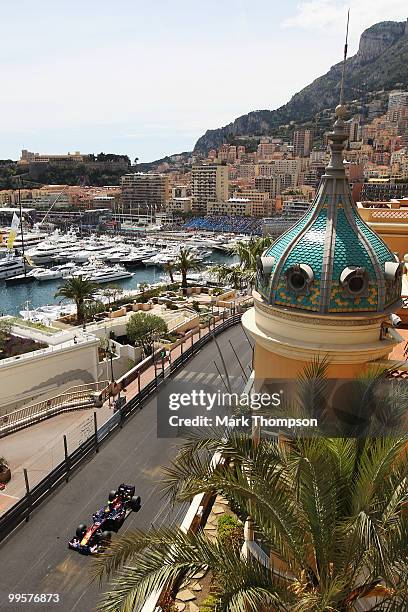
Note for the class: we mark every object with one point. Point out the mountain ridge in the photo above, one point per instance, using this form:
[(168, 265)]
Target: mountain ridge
[(381, 63)]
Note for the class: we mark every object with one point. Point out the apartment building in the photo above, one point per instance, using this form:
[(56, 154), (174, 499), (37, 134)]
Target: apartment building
[(180, 205), (399, 165), (302, 142), (260, 201), (145, 191), (355, 129), (319, 157), (240, 151), (209, 182), (397, 99), (265, 150), (314, 173), (281, 166), (271, 184), (227, 153), (382, 190), (240, 207), (294, 209), (181, 200), (181, 191), (246, 171)]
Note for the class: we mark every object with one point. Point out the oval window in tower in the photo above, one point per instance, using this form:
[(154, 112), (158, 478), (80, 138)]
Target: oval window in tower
[(299, 278), (354, 282)]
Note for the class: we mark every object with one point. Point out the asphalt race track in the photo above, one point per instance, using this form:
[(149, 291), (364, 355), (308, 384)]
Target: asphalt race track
[(36, 559)]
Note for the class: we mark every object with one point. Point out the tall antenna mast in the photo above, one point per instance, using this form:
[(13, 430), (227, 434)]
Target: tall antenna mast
[(343, 76)]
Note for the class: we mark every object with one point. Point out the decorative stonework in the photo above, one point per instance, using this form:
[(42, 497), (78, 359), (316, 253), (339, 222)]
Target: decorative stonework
[(315, 320), (303, 338)]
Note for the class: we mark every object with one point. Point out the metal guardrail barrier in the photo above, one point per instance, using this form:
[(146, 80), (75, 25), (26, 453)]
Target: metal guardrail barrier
[(34, 497)]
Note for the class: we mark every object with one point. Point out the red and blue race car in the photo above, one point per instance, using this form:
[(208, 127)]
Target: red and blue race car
[(95, 539)]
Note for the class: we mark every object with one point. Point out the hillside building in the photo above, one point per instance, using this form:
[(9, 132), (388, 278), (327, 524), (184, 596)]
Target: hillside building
[(145, 192), (209, 183), (302, 142)]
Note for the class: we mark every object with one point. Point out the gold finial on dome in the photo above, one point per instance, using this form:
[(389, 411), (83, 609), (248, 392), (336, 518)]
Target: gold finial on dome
[(341, 111)]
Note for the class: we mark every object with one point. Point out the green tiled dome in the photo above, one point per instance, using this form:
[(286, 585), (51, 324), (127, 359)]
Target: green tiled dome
[(331, 261)]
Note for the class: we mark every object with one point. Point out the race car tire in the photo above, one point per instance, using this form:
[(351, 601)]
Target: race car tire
[(112, 495), (136, 503), (80, 530), (105, 536)]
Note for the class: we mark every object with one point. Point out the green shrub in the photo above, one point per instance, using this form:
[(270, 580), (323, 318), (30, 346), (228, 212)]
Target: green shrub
[(210, 604), (195, 305), (170, 337), (144, 328), (230, 531)]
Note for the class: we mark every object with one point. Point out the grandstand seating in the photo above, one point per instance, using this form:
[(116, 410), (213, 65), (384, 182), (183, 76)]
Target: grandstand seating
[(225, 224)]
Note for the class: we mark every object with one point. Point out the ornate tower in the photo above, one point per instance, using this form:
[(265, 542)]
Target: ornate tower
[(326, 286)]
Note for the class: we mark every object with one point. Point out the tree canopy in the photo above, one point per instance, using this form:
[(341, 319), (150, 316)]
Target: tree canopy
[(78, 289), (143, 329)]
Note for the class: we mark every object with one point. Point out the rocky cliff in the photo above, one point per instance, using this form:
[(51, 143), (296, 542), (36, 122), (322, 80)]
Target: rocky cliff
[(381, 63), (377, 39)]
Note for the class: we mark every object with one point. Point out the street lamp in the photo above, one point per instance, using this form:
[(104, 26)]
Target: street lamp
[(111, 364)]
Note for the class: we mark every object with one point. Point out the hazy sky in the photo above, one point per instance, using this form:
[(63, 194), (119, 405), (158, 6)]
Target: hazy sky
[(148, 78)]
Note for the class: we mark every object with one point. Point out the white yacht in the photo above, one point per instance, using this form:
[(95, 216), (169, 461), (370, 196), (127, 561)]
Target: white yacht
[(136, 256), (103, 255), (48, 250), (43, 253), (153, 260), (106, 275), (48, 313), (45, 274), (12, 265), (119, 253)]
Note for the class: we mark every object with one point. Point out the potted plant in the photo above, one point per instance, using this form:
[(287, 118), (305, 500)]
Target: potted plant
[(5, 473)]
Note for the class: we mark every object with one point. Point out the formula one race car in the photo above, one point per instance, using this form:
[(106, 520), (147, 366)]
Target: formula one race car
[(95, 539)]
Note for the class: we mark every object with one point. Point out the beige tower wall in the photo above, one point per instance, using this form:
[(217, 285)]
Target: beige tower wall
[(285, 345), (270, 365)]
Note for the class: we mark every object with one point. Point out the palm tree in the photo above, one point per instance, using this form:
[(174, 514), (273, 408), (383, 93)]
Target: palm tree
[(331, 512), (169, 268), (184, 263), (78, 289), (244, 273), (231, 275), (334, 538)]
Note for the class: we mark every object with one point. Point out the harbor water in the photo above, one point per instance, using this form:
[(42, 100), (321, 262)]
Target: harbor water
[(14, 298)]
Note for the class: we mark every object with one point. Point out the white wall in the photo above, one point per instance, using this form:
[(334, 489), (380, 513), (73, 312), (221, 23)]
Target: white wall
[(46, 373)]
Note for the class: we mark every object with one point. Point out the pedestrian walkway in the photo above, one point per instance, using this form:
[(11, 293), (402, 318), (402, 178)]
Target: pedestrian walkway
[(40, 448)]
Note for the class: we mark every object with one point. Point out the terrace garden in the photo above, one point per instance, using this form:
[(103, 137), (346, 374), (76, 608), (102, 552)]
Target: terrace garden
[(14, 346)]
